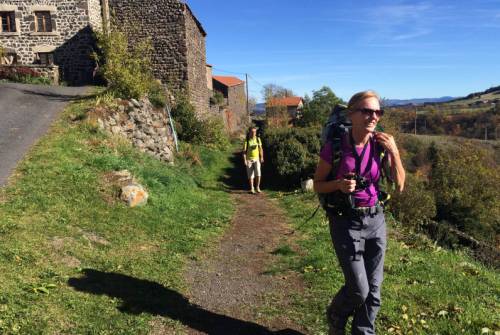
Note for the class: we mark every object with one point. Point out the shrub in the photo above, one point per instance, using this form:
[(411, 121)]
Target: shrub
[(416, 205), (23, 74), (187, 125), (126, 69), (416, 153), (465, 183), (157, 96), (217, 98), (213, 133), (292, 153), (190, 129)]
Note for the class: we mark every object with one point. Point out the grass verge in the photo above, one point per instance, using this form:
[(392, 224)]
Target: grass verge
[(427, 290), (60, 221)]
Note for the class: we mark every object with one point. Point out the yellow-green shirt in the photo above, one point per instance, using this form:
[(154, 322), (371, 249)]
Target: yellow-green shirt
[(252, 151)]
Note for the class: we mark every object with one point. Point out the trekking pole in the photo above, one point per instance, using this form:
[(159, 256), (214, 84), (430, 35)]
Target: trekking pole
[(304, 223)]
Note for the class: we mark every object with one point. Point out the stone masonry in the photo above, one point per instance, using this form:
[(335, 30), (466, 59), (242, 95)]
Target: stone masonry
[(234, 112), (178, 40), (146, 127), (70, 40)]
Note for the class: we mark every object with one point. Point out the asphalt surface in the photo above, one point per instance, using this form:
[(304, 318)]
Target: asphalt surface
[(26, 113)]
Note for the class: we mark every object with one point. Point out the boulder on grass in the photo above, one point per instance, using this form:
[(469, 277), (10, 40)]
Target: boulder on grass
[(134, 195)]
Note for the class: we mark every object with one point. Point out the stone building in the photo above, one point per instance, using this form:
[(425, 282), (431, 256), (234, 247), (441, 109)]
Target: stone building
[(283, 111), (234, 113), (58, 35), (178, 40), (51, 34)]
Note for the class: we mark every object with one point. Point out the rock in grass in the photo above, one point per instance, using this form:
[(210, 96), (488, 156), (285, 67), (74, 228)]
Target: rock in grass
[(307, 185), (135, 103), (134, 195)]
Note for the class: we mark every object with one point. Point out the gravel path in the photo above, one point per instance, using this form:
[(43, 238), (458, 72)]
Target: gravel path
[(232, 280)]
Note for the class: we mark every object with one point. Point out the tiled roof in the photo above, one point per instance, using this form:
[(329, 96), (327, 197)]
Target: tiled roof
[(286, 101), (228, 81)]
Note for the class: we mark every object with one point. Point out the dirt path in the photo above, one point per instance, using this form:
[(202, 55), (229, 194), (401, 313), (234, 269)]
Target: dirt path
[(231, 281)]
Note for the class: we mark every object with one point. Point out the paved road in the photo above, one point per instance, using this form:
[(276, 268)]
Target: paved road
[(26, 112)]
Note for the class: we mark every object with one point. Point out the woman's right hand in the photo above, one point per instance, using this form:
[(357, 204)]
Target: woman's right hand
[(346, 185)]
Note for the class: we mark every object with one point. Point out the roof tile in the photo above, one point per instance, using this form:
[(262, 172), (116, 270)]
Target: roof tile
[(228, 81)]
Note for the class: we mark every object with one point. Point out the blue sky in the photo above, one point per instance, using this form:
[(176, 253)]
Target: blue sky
[(401, 49)]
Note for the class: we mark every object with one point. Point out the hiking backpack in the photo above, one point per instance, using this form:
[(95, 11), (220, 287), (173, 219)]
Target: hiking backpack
[(337, 127)]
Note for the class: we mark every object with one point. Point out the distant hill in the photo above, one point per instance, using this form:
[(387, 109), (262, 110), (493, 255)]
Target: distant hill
[(492, 94), (259, 109), (421, 101)]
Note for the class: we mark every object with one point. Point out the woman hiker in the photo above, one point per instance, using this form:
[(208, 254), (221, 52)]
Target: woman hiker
[(358, 231), (253, 157)]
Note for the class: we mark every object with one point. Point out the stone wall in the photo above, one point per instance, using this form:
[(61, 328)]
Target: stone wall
[(196, 62), (162, 21), (146, 127), (179, 56), (95, 13), (71, 40), (51, 71), (237, 101)]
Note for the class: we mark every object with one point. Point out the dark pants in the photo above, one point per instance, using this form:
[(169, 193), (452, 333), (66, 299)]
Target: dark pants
[(360, 245)]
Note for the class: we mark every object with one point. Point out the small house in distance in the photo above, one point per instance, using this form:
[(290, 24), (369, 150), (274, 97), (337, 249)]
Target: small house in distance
[(283, 111), (234, 106)]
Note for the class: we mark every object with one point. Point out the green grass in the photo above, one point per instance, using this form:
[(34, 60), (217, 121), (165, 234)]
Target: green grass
[(427, 290), (59, 217)]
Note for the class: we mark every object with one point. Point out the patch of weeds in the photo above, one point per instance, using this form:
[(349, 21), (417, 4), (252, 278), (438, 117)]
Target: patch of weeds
[(283, 250)]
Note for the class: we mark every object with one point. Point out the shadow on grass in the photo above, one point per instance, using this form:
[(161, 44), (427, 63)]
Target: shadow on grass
[(235, 177), (143, 296)]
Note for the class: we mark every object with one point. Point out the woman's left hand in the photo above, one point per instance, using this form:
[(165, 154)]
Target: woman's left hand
[(387, 141)]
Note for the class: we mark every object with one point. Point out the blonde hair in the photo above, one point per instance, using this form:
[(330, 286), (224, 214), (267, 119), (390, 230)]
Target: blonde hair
[(360, 96)]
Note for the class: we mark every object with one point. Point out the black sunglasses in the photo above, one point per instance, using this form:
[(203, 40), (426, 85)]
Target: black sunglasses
[(369, 111)]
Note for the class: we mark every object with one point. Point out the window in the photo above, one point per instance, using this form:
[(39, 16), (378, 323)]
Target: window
[(43, 22), (8, 22), (46, 58)]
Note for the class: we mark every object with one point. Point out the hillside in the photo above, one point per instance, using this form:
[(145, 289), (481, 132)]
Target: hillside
[(75, 260), (60, 219), (426, 290), (421, 101)]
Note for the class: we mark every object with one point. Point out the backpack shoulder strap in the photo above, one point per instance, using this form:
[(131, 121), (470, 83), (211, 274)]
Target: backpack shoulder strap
[(336, 148)]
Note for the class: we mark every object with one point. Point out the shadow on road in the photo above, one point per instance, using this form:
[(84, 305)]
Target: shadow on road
[(58, 96), (143, 296)]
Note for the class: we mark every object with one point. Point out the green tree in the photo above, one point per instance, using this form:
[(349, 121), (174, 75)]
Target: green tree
[(317, 110)]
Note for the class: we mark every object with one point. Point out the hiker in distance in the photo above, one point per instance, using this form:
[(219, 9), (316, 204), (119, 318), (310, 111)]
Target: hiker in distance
[(253, 157), (348, 177)]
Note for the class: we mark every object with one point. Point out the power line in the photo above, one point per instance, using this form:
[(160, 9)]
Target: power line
[(256, 81), (225, 71)]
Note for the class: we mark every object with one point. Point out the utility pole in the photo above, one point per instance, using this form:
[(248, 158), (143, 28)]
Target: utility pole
[(246, 81), (415, 120)]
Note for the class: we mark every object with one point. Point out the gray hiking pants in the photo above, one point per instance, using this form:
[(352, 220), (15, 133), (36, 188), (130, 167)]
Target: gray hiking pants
[(360, 245)]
